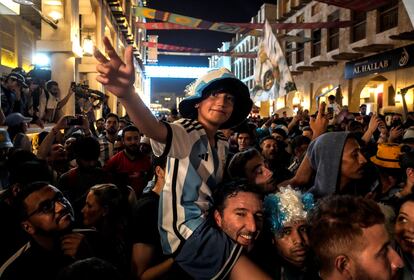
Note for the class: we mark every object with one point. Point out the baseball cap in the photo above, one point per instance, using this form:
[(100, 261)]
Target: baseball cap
[(18, 77), (14, 119)]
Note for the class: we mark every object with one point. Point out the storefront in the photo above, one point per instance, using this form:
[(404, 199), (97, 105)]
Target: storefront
[(378, 79)]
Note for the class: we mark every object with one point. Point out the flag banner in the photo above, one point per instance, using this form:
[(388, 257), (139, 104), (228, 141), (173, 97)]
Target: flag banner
[(357, 5), (272, 75), (152, 51), (409, 6), (168, 47), (238, 55), (186, 21), (244, 27)]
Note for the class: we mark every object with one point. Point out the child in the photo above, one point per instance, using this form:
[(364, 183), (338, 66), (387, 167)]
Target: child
[(196, 158)]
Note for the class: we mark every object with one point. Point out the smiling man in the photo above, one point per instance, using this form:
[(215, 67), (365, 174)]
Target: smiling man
[(46, 216), (238, 212)]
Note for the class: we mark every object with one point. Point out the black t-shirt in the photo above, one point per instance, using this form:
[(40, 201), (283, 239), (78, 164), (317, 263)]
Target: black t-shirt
[(145, 224)]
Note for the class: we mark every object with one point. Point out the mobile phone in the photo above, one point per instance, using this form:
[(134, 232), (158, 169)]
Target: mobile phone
[(74, 120), (330, 110)]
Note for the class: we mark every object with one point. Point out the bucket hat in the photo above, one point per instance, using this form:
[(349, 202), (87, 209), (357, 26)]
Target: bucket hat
[(387, 156), (216, 79), (5, 141)]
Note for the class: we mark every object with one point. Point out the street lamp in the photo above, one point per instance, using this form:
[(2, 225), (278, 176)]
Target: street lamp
[(51, 22)]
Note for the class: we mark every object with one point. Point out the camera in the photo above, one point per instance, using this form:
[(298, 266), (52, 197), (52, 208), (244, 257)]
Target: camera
[(74, 120)]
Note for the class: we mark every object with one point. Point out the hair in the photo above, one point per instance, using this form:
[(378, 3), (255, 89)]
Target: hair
[(299, 141), (239, 160), (14, 130), (90, 269), (87, 148), (110, 197), (231, 189), (407, 160), (100, 119), (112, 115), (331, 97), (337, 224), (129, 128), (33, 170), (266, 138), (408, 198), (50, 83), (158, 161)]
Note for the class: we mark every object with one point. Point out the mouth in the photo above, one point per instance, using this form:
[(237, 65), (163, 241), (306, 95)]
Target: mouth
[(66, 214), (409, 241), (246, 238)]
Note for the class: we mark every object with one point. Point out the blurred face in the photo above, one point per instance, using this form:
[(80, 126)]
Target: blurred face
[(353, 161), (269, 149), (12, 83), (308, 133), (58, 153), (92, 211), (244, 141), (257, 173), (48, 212), (292, 243), (122, 125), (100, 125), (216, 109), (54, 90), (404, 228), (131, 142), (111, 125), (377, 260), (363, 110), (277, 136), (242, 218)]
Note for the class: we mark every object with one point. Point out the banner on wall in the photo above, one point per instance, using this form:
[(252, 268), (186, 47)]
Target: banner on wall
[(272, 75), (152, 50), (232, 54)]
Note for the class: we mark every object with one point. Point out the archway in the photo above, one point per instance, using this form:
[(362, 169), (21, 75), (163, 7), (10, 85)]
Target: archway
[(378, 94)]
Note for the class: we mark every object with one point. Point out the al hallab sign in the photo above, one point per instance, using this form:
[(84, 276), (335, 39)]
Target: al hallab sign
[(392, 60)]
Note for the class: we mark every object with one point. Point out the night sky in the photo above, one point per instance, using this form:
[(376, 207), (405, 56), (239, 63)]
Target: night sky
[(211, 10)]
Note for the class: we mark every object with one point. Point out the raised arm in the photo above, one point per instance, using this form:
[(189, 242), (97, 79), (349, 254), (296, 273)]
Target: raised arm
[(118, 78)]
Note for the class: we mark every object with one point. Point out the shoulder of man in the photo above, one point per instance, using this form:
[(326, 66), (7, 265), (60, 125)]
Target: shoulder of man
[(12, 265), (190, 125)]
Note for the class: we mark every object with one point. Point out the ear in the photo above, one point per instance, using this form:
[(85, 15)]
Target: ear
[(409, 172), (197, 105), (217, 218), (28, 227), (159, 172), (343, 266)]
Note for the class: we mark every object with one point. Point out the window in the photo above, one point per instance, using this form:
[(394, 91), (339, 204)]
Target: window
[(300, 53), (316, 9), (316, 42), (300, 18), (388, 16), (358, 30), (333, 33), (288, 52)]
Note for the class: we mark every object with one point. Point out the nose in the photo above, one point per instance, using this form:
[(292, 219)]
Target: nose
[(395, 260), (267, 172), (362, 159), (296, 237), (250, 224), (59, 206)]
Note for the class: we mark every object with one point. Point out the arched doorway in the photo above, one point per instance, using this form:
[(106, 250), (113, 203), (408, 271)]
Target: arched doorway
[(379, 95)]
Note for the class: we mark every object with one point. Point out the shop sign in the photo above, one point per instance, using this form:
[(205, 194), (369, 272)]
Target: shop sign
[(391, 60)]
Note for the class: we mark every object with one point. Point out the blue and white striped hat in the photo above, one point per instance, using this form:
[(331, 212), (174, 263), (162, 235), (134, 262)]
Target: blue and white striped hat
[(218, 78)]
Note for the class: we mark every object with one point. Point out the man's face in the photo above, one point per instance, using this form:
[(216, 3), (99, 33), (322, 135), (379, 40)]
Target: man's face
[(363, 110), (12, 83), (269, 149), (242, 217), (277, 136), (377, 260), (404, 228), (48, 212), (100, 125), (111, 125), (257, 173), (244, 141), (58, 153), (292, 243), (54, 90), (216, 109), (353, 161), (131, 142)]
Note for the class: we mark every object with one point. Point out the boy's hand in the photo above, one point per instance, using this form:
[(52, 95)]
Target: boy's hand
[(118, 77)]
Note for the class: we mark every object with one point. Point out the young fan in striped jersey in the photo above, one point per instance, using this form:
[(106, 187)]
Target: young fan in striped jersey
[(196, 159)]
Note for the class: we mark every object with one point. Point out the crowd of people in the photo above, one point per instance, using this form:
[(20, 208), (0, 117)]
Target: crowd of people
[(212, 194)]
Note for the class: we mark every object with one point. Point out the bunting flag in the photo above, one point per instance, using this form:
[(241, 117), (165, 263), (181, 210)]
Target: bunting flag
[(357, 5), (232, 54), (187, 21), (409, 7), (272, 75), (168, 47), (242, 27)]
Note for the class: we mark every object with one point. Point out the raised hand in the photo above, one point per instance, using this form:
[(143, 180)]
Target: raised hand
[(319, 125), (118, 77)]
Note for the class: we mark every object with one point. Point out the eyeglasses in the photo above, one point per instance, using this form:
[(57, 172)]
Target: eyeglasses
[(48, 206)]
